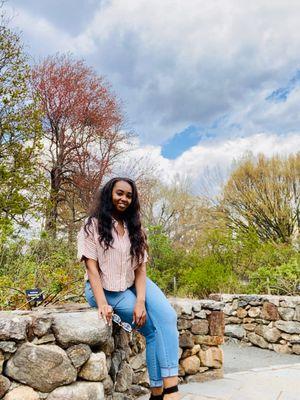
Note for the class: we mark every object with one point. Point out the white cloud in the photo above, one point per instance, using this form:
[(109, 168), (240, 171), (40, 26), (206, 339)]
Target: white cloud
[(179, 63), (216, 158), (46, 38), (176, 63)]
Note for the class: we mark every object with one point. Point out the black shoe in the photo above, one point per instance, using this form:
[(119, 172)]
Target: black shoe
[(171, 389)]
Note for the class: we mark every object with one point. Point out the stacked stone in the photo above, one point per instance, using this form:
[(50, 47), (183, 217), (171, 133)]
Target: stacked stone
[(201, 330), (69, 355), (270, 322)]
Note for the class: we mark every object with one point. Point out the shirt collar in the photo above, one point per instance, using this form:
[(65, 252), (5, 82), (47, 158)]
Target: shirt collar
[(115, 223)]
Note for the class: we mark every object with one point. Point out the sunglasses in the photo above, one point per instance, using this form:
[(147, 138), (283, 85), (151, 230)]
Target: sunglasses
[(127, 327)]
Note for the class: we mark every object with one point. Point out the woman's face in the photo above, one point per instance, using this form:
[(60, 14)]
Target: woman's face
[(121, 195)]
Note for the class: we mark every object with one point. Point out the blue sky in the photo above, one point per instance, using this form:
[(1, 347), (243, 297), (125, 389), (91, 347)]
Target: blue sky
[(197, 78)]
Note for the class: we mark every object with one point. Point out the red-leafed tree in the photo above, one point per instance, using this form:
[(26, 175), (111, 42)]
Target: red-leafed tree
[(82, 133)]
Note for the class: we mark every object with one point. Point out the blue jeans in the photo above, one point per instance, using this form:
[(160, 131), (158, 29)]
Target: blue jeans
[(160, 329)]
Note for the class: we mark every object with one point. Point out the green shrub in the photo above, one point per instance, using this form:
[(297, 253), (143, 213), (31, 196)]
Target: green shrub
[(46, 264), (281, 280), (202, 276)]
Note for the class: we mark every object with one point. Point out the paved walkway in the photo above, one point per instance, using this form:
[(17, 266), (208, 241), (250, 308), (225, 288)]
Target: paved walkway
[(280, 382), (277, 379)]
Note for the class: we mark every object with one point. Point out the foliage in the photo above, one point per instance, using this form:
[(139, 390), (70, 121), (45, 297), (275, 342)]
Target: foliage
[(244, 251), (44, 263), (283, 279), (165, 260), (264, 194), (194, 274), (202, 276), (222, 262), (20, 130), (82, 131)]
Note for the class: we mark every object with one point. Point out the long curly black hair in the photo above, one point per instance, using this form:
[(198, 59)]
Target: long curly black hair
[(102, 209)]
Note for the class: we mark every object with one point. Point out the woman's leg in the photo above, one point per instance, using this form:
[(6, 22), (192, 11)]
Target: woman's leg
[(123, 304), (164, 318)]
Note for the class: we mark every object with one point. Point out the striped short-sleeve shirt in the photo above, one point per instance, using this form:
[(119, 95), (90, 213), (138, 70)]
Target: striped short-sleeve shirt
[(115, 267)]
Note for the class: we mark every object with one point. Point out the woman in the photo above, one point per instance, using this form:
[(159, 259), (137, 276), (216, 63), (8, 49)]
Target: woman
[(113, 246)]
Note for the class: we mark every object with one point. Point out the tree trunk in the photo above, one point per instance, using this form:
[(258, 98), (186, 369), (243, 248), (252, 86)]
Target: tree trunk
[(52, 212)]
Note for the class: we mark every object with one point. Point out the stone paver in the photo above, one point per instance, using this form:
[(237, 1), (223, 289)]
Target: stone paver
[(279, 382)]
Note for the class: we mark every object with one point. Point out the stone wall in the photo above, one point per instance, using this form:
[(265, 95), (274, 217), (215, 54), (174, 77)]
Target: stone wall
[(201, 332), (68, 353), (270, 322)]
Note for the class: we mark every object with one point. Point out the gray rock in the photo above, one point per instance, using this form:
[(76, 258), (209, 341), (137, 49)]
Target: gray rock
[(292, 301), (108, 385), (292, 338), (79, 391), (296, 348), (297, 313), (43, 396), (212, 357), (43, 367), (257, 340), (197, 306), (48, 338), (182, 306), (199, 327), (202, 314), (13, 327), (95, 368), (235, 304), (271, 334), (8, 346), (109, 346), (228, 310), (233, 320), (79, 354), (183, 324), (212, 304), (41, 324), (121, 396), (286, 313), (288, 326), (22, 393), (282, 348), (124, 378), (236, 331), (251, 298), (77, 327), (254, 312), (4, 385), (115, 364), (138, 361), (186, 340), (190, 365), (137, 390), (141, 378)]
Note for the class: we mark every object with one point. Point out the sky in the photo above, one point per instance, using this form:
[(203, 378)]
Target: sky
[(201, 82)]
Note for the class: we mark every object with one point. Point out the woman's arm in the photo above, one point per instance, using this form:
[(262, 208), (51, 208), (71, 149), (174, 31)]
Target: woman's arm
[(140, 282), (104, 309), (139, 312)]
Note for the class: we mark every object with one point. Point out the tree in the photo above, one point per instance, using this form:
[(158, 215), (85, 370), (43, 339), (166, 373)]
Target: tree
[(182, 215), (82, 131), (264, 194), (19, 135)]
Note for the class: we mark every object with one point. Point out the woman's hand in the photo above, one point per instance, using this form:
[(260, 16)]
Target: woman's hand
[(139, 313), (105, 312)]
